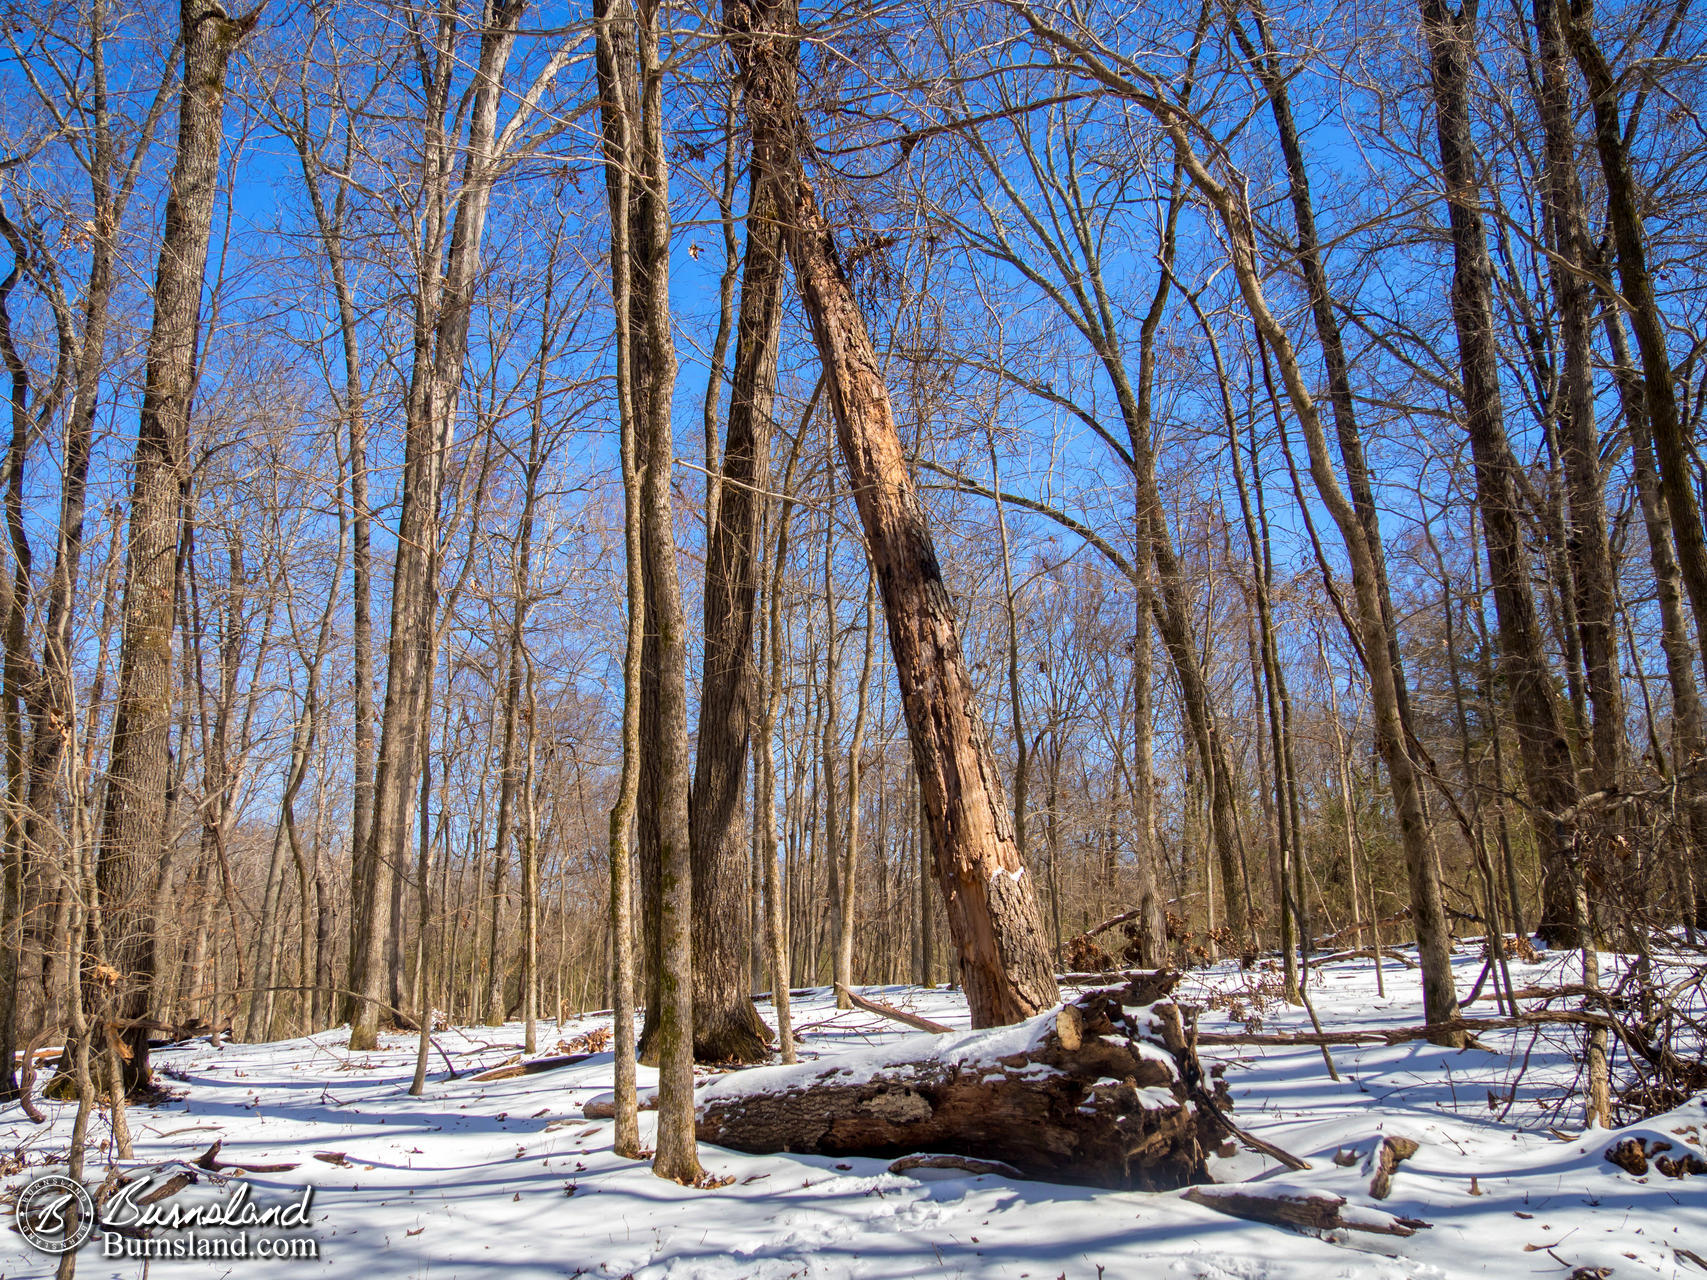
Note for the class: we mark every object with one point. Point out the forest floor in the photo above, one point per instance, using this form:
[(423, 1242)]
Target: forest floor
[(478, 1180)]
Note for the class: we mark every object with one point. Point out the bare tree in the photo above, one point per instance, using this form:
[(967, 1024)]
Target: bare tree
[(118, 969)]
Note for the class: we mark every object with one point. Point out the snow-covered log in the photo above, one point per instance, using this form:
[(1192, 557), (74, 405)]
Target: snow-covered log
[(1105, 1090)]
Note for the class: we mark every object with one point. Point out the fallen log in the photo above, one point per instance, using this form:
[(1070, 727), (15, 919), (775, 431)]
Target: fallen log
[(1286, 1206), (1567, 991), (1102, 1091), (1355, 926), (1363, 953), (882, 1010), (532, 1067), (964, 1164), (1108, 924), (603, 1107)]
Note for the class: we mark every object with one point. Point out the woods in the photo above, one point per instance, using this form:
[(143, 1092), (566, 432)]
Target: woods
[(513, 513)]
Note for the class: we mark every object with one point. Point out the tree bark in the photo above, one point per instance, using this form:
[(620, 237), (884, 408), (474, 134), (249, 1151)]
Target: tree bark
[(1629, 238), (637, 180), (1574, 401), (992, 910), (444, 303), (726, 1027), (1118, 1105), (134, 822), (1547, 767)]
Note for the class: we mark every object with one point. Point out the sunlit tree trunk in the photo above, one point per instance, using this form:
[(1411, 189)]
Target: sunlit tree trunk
[(134, 821)]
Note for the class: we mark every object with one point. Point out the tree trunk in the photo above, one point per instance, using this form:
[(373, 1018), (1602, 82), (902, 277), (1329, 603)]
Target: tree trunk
[(1585, 538), (530, 882), (1623, 211), (992, 910), (507, 780), (776, 929), (637, 178), (134, 825), (849, 879), (1689, 732), (444, 303), (1433, 934), (1545, 752), (332, 223), (45, 884), (726, 1028)]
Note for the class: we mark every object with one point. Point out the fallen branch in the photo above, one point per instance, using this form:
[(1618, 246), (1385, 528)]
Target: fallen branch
[(1364, 953), (533, 1067), (1247, 1139), (210, 1161), (1182, 1040), (913, 1020), (1001, 1169), (176, 1183), (1297, 1207), (1401, 1035), (1106, 978), (397, 1015), (1565, 992), (1334, 937), (1106, 925), (764, 997), (27, 1080)]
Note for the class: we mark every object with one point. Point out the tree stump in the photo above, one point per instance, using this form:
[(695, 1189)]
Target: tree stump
[(1102, 1091)]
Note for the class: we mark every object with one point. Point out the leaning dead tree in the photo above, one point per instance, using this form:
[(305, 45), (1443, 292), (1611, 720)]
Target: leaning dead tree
[(1104, 1091), (992, 910)]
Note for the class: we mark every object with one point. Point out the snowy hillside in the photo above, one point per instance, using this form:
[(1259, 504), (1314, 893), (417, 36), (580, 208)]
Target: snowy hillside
[(504, 1178)]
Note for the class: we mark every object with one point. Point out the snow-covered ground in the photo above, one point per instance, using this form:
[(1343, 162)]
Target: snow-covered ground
[(505, 1178)]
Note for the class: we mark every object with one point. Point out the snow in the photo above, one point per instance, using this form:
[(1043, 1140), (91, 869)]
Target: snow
[(477, 1181), (919, 1052)]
